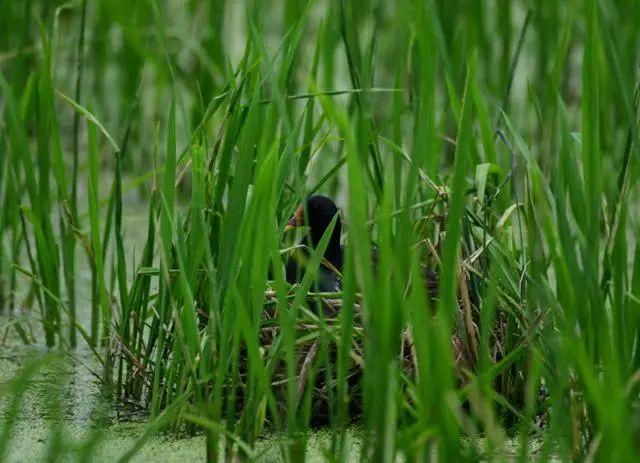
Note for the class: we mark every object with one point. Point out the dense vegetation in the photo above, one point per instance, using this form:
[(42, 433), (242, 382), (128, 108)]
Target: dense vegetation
[(491, 142)]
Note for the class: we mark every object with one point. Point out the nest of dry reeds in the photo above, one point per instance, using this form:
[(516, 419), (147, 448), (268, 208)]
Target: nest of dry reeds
[(312, 362)]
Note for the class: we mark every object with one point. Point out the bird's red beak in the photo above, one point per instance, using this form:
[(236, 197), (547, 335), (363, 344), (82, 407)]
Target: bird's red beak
[(296, 221)]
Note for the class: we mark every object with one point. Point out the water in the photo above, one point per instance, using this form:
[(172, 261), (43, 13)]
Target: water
[(64, 401), (63, 404)]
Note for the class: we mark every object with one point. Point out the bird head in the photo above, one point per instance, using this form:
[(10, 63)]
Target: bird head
[(317, 212)]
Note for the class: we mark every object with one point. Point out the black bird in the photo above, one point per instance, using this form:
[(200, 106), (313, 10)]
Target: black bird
[(319, 211)]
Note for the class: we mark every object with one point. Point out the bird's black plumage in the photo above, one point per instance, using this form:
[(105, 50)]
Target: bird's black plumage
[(317, 213)]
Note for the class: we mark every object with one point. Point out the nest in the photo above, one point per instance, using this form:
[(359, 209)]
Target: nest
[(312, 364)]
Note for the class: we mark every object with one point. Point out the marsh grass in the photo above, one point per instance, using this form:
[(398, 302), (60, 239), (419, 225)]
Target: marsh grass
[(491, 142)]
